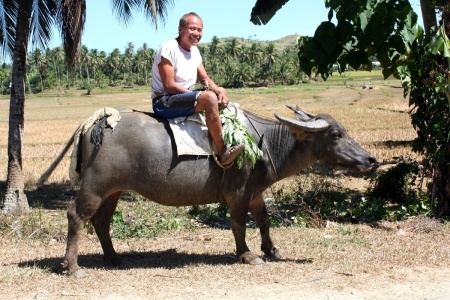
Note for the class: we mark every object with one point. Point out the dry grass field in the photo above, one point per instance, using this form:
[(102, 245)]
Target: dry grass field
[(386, 260)]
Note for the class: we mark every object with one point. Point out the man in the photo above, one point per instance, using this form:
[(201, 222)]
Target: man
[(176, 68)]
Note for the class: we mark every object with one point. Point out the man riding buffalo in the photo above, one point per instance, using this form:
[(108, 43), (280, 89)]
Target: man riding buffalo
[(176, 68)]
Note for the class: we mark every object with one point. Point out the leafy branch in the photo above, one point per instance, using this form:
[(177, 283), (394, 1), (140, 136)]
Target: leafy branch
[(234, 132)]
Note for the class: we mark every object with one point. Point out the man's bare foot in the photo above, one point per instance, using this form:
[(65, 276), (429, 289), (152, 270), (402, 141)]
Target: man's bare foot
[(231, 154)]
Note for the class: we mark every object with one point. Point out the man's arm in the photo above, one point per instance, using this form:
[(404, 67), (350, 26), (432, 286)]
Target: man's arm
[(167, 73), (205, 80)]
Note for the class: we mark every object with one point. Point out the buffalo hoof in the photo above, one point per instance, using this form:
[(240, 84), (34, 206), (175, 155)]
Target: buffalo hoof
[(272, 253), (251, 259), (74, 271), (79, 274), (275, 254)]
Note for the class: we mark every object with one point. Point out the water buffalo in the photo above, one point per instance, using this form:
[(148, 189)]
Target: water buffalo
[(139, 155)]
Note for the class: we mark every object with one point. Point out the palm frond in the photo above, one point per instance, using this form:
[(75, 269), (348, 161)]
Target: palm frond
[(157, 10), (70, 18), (42, 22), (264, 10), (8, 20), (154, 10)]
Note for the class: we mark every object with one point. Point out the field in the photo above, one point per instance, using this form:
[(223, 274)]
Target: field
[(383, 260)]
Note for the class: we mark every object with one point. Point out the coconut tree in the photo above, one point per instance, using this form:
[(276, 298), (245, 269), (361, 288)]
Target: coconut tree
[(232, 48), (214, 46), (127, 62), (113, 63), (37, 64), (22, 20), (56, 58), (147, 54)]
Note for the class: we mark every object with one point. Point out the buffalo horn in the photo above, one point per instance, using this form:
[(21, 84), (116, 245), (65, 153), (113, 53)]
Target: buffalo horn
[(313, 126)]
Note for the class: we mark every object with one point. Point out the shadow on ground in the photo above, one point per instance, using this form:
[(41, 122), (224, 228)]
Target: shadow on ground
[(52, 196), (168, 259)]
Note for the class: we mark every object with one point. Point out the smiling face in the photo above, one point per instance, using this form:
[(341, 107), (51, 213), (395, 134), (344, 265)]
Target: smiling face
[(190, 31)]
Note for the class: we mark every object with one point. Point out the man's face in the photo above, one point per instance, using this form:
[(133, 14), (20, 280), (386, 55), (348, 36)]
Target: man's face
[(191, 34)]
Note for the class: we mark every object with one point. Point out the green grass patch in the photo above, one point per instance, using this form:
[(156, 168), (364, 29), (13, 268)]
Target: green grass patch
[(135, 216)]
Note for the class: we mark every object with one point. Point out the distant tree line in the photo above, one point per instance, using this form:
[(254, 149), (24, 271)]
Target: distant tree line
[(232, 63)]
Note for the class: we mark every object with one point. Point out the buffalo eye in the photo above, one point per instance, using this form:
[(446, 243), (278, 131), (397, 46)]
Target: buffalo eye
[(336, 134)]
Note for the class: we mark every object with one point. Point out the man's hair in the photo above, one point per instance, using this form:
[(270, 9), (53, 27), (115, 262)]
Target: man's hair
[(183, 19)]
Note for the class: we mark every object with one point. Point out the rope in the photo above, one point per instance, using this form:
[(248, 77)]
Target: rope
[(264, 142), (215, 156)]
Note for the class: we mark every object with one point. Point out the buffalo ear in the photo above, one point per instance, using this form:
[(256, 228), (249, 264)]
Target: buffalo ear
[(291, 107), (309, 126), (301, 114)]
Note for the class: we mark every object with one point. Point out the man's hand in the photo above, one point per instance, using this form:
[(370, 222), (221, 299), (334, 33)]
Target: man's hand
[(222, 98)]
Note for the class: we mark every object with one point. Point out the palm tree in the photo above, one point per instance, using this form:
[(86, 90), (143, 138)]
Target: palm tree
[(229, 69), (242, 73), (148, 55), (269, 54), (35, 63), (254, 53), (21, 20), (18, 21), (113, 64), (214, 46), (128, 62), (232, 48), (56, 57), (39, 61), (253, 56)]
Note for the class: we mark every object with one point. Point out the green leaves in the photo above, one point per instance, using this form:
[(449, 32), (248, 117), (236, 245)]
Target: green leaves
[(234, 132), (364, 18), (376, 28), (440, 43)]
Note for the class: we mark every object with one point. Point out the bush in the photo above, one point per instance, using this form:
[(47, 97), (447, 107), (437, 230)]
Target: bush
[(397, 184), (316, 198)]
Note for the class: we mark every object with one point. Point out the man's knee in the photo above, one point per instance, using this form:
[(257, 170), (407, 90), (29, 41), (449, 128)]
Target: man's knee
[(208, 100), (208, 97)]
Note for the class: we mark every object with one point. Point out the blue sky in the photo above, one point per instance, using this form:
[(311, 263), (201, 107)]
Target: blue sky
[(220, 18)]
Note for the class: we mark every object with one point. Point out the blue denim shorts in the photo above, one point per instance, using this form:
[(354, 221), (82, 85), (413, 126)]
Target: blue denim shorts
[(175, 105)]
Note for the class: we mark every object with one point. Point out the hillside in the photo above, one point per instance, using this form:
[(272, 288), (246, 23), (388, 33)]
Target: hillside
[(280, 43)]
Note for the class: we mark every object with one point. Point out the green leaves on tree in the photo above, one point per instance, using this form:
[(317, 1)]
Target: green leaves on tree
[(382, 29)]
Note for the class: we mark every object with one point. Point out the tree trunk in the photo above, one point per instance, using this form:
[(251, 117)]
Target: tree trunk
[(428, 15), (42, 81), (441, 172), (446, 19), (15, 201)]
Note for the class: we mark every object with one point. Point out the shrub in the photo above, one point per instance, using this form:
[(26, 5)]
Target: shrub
[(397, 184)]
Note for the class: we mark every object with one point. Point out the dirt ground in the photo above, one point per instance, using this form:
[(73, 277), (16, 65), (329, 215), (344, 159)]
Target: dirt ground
[(339, 262)]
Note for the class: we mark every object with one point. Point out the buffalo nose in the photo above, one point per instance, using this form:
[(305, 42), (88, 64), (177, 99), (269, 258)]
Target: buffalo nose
[(373, 161)]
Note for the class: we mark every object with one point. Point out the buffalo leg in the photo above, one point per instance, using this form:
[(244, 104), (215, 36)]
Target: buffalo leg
[(101, 222), (77, 215), (258, 209), (238, 213)]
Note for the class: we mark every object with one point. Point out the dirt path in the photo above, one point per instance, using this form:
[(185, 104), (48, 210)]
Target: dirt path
[(413, 284), (319, 264)]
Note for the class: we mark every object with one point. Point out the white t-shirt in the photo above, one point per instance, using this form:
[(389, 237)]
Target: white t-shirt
[(184, 62)]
